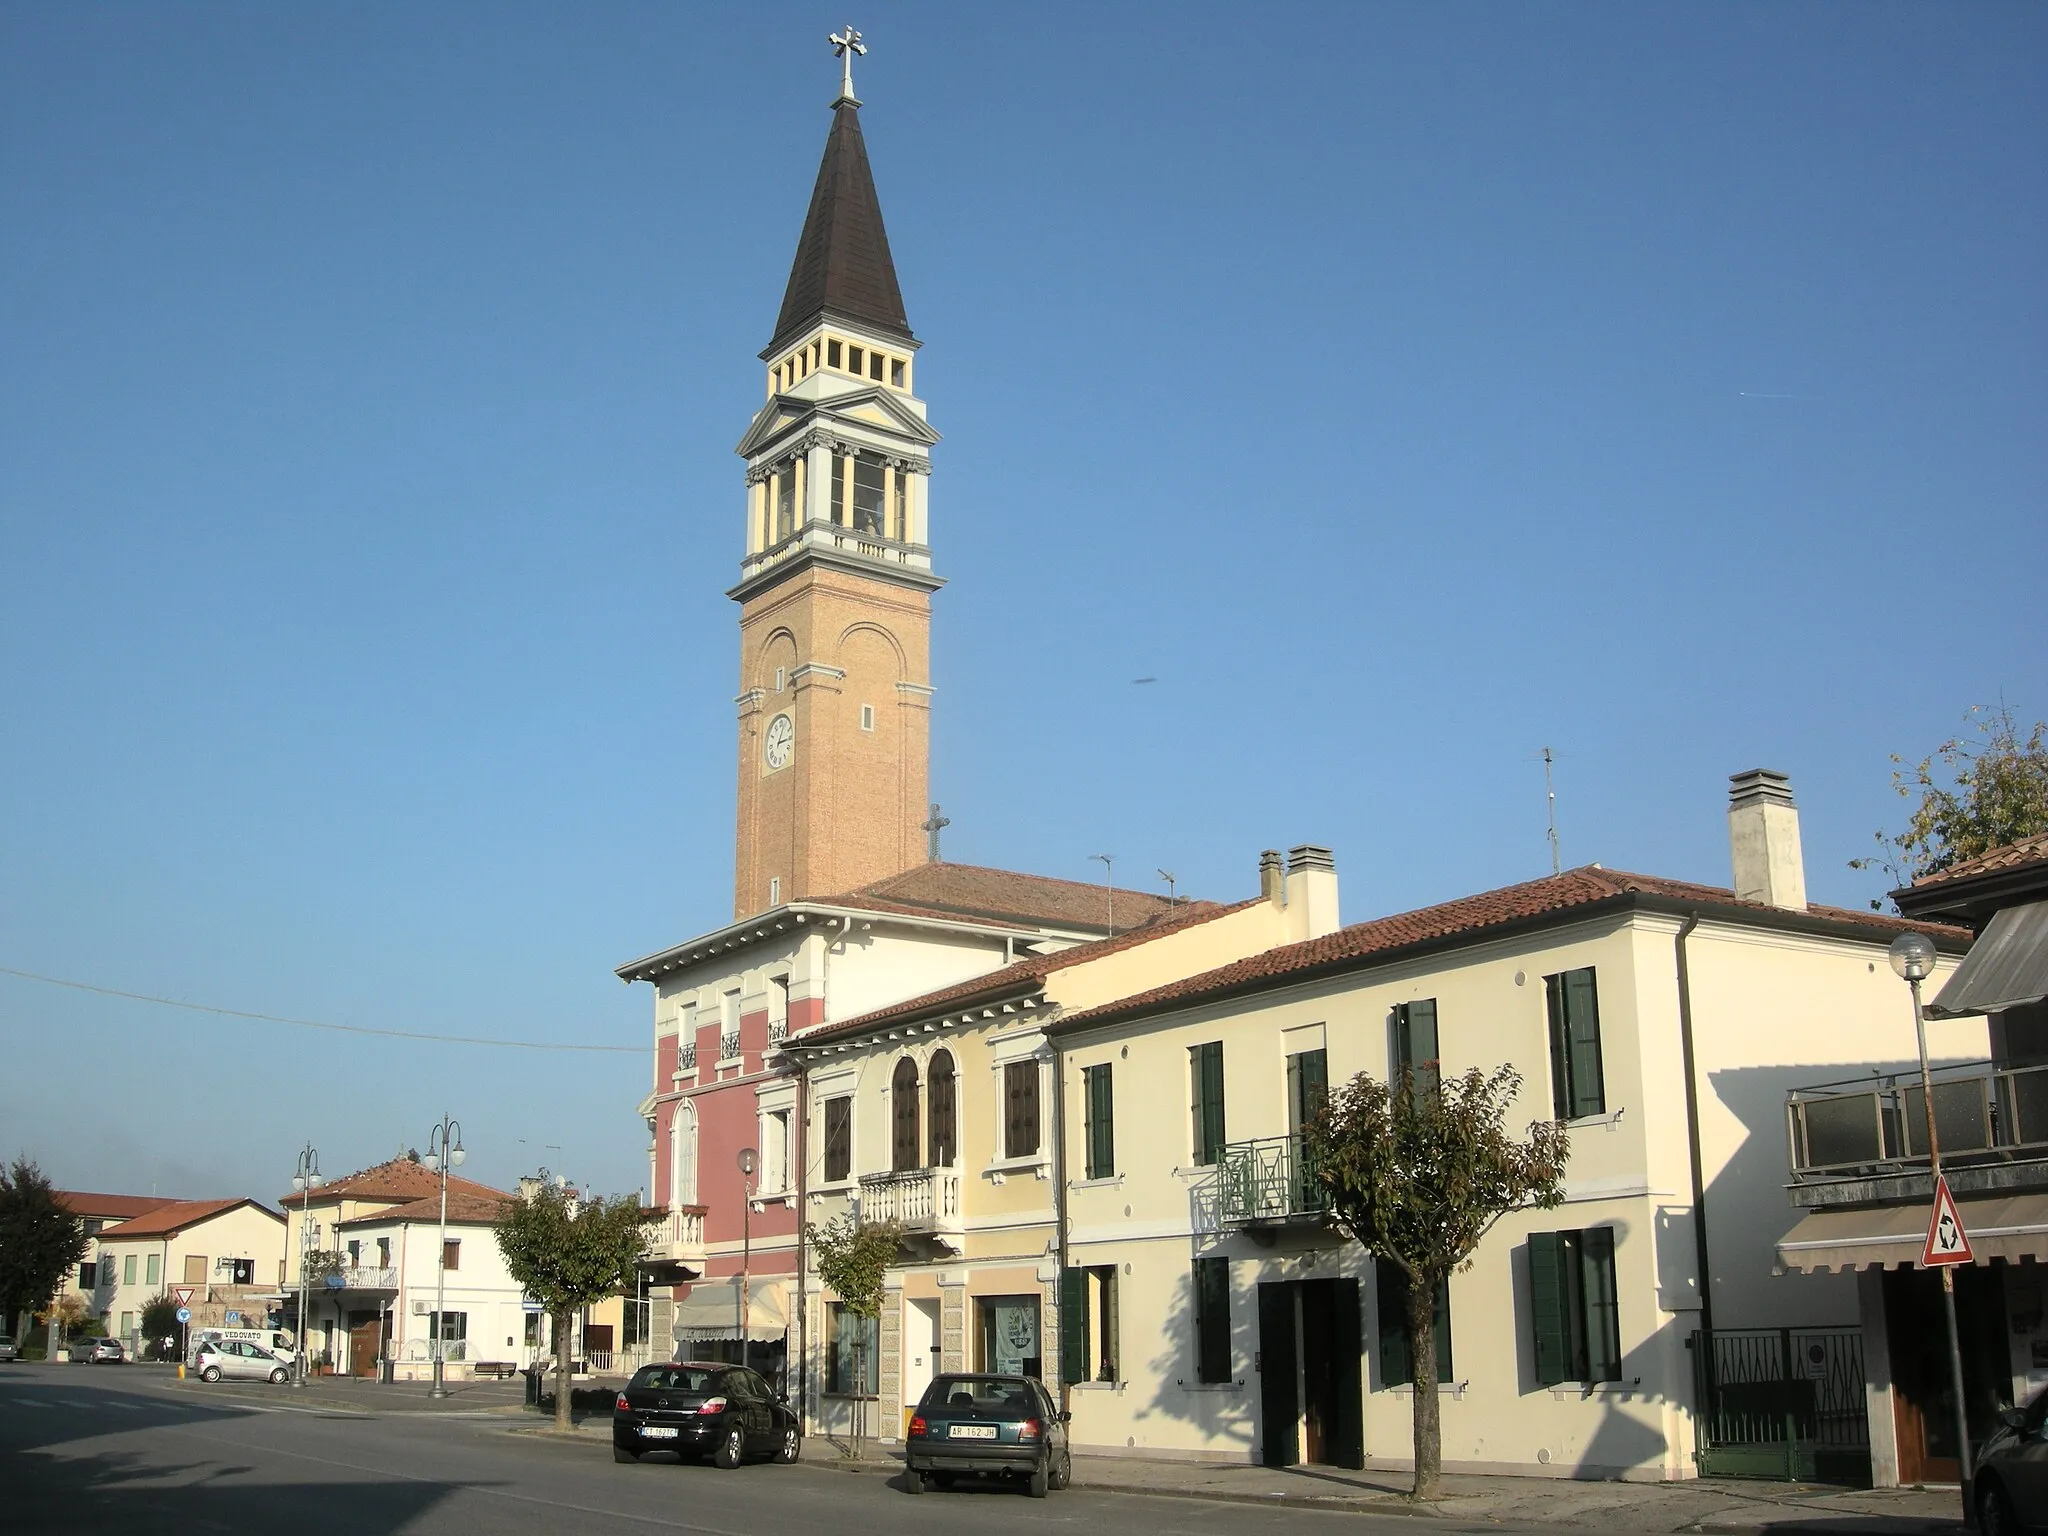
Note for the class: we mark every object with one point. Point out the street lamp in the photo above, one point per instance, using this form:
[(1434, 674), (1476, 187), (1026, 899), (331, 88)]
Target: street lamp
[(749, 1160), (444, 1151), (305, 1181), (1912, 957)]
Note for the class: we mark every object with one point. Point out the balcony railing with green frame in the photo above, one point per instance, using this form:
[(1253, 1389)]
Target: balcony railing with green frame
[(1983, 1113), (1267, 1181)]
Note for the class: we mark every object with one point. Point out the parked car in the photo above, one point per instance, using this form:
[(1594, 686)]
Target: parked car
[(9, 1350), (2012, 1471), (987, 1426), (237, 1357), (97, 1352), (698, 1408)]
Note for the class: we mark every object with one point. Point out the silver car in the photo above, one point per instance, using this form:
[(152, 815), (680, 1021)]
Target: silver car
[(233, 1357), (9, 1350), (98, 1351)]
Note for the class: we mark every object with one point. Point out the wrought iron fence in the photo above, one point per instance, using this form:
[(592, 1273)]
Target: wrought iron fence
[(1781, 1403), (1269, 1179)]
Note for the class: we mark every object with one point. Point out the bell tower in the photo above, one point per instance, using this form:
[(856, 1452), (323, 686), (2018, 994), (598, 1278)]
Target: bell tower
[(835, 588)]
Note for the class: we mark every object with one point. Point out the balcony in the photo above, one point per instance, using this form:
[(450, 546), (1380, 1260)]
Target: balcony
[(729, 1046), (676, 1239), (1865, 1140), (836, 539), (1266, 1183), (367, 1277), (925, 1200), (686, 1058)]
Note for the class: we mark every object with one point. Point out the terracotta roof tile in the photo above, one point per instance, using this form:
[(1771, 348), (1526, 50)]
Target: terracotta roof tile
[(463, 1205), (399, 1179), (177, 1216), (973, 890), (121, 1207), (2028, 850), (1473, 915)]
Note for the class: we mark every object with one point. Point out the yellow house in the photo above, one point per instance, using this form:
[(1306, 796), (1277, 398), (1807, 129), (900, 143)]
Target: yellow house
[(228, 1253), (96, 1212), (1662, 1020), (941, 1113)]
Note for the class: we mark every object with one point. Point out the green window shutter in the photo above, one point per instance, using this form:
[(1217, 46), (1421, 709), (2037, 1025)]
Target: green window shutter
[(1582, 1011), (1206, 1070), (1112, 1327), (1101, 1116), (1212, 1320), (1560, 1056), (1603, 1311), (1074, 1325), (1549, 1296), (1443, 1329), (1391, 1298)]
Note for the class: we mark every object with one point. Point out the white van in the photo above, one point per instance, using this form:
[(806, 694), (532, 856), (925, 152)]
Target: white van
[(278, 1341)]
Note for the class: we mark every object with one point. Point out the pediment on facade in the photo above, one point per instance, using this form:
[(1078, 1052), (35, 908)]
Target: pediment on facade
[(870, 410), (882, 408)]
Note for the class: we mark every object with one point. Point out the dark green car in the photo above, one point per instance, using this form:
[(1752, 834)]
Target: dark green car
[(987, 1426)]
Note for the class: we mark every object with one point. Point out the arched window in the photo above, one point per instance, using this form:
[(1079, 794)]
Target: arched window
[(682, 1156), (944, 1142), (903, 1106)]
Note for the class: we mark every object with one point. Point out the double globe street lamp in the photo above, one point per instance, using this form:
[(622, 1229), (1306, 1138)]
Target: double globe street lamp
[(444, 1151), (305, 1181)]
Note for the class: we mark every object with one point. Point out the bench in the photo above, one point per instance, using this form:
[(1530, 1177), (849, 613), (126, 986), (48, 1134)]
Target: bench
[(497, 1370)]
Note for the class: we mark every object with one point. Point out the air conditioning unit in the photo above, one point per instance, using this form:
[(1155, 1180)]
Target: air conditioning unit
[(421, 1307)]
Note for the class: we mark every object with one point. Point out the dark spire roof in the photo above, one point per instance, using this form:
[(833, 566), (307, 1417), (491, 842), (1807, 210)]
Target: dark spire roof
[(842, 262)]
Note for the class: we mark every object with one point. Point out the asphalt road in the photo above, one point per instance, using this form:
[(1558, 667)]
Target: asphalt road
[(85, 1449)]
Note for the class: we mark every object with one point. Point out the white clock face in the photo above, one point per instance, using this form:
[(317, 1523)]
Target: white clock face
[(778, 742)]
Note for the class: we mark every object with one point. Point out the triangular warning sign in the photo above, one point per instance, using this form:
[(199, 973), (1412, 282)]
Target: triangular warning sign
[(182, 1295), (1947, 1242)]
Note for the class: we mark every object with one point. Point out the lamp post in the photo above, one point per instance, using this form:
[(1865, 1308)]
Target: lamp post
[(1912, 957), (444, 1151), (748, 1161), (305, 1181)]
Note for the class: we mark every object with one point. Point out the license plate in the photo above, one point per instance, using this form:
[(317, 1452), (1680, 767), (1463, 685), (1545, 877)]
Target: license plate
[(972, 1432), (657, 1434)]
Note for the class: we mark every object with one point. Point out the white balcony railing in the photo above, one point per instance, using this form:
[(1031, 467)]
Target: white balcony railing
[(678, 1235), (368, 1277), (923, 1200)]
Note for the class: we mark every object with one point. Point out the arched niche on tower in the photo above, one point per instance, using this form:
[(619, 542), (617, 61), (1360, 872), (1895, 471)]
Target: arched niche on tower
[(775, 662)]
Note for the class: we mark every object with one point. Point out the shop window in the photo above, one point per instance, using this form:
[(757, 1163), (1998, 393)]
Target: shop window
[(852, 1343)]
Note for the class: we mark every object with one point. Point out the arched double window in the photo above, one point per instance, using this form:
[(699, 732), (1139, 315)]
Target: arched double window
[(941, 1118), (682, 1156), (903, 1114)]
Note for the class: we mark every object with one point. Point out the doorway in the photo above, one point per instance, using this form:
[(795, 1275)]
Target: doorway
[(1923, 1399), (1311, 1396), (920, 1349), (365, 1343)]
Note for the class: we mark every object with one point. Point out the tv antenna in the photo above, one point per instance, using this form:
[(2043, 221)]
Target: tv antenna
[(1550, 794), (1168, 876), (1108, 861)]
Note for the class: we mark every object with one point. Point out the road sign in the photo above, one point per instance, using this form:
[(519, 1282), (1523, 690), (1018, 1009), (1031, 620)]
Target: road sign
[(184, 1314), (181, 1294), (1947, 1242)]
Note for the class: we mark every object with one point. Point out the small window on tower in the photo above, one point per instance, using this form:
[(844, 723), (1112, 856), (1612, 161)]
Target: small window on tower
[(867, 717), (831, 354), (781, 678), (775, 380), (817, 350), (856, 360), (896, 371), (875, 366), (775, 890)]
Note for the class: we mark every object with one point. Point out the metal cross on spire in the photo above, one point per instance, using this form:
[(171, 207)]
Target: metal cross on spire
[(846, 43), (935, 826)]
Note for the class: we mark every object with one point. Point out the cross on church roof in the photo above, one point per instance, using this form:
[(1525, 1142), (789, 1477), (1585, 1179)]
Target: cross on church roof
[(846, 43), (935, 826)]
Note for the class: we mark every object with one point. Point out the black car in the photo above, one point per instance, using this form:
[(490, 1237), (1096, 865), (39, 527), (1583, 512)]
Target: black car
[(987, 1426), (702, 1408), (2012, 1471)]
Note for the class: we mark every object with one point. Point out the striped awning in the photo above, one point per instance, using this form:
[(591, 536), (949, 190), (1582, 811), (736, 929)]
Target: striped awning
[(2006, 968), (2010, 1227)]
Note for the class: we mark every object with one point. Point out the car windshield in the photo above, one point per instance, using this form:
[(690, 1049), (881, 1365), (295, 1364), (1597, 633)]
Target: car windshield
[(981, 1394), (675, 1378)]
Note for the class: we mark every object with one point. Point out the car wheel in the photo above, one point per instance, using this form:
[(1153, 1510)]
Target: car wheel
[(730, 1450), (620, 1453), (1062, 1475), (1041, 1481), (211, 1373), (278, 1378), (1995, 1514), (913, 1481), (792, 1446)]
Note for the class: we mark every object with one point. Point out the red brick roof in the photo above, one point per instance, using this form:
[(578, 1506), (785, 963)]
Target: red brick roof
[(1025, 974), (400, 1179), (1473, 916), (463, 1205), (119, 1207), (975, 891), (178, 1215), (2028, 850)]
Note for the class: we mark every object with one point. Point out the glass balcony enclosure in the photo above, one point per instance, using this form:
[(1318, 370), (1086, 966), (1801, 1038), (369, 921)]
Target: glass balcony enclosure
[(1982, 1113)]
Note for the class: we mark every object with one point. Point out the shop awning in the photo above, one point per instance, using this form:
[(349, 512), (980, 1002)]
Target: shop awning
[(2006, 968), (2010, 1227), (712, 1311)]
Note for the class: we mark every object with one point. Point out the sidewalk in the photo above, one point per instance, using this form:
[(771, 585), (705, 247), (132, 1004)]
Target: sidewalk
[(361, 1395)]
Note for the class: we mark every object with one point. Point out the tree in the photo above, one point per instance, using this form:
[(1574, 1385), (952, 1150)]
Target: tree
[(1987, 793), (568, 1251), (1418, 1176), (853, 1258), (74, 1319), (39, 1240), (160, 1322)]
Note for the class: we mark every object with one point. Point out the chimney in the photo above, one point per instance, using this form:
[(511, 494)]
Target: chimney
[(1763, 838), (1311, 891), (1270, 877)]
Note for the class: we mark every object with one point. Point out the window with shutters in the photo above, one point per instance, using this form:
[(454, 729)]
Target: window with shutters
[(1575, 1313), (1020, 1109), (195, 1269), (1205, 1079), (903, 1143), (1212, 1320), (451, 1254), (1089, 1324), (1397, 1366), (1098, 1113), (682, 1155), (838, 1139), (941, 1117), (1415, 1049), (1576, 1086)]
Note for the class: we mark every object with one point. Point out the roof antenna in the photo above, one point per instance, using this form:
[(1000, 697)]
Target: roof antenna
[(1550, 794), (1109, 879), (1168, 876)]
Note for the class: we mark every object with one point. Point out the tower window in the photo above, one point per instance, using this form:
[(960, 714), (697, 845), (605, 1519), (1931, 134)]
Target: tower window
[(831, 354), (875, 366), (838, 489), (856, 360), (775, 890), (775, 379), (781, 678), (785, 499), (867, 496), (899, 511), (867, 717), (817, 348), (896, 371)]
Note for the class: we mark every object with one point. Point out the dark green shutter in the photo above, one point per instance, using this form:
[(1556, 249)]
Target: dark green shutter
[(1206, 1070), (1074, 1326), (1603, 1313), (1560, 1055), (1101, 1111), (1582, 1011), (1112, 1327), (1212, 1320), (1549, 1299), (1391, 1301)]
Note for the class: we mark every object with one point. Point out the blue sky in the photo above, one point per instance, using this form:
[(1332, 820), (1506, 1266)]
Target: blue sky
[(1406, 388)]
